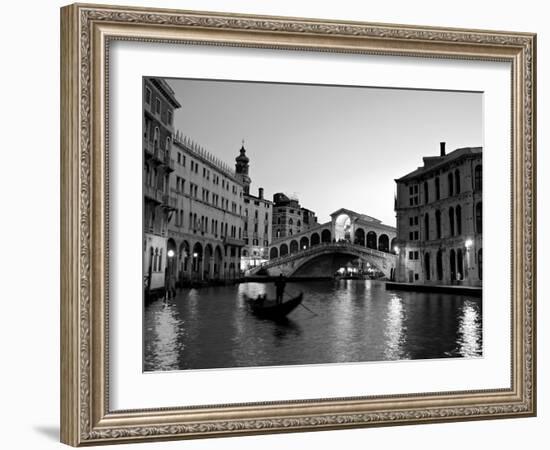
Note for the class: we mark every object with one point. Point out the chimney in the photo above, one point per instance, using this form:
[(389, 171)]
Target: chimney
[(442, 148), (261, 193)]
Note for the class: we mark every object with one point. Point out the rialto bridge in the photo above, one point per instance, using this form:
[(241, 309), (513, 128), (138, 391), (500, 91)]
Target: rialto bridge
[(319, 251)]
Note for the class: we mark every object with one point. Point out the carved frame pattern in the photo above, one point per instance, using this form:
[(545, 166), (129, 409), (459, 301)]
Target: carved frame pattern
[(86, 33)]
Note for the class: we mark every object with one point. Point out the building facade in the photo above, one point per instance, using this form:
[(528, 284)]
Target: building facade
[(159, 103), (440, 220), (206, 227), (289, 218), (257, 217)]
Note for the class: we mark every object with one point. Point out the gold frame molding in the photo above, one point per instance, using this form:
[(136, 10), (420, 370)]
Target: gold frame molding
[(86, 31)]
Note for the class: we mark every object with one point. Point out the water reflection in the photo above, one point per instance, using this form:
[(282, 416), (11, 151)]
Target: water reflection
[(165, 338), (352, 321), (469, 336), (395, 329)]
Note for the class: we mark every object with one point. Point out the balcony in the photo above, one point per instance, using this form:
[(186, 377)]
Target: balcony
[(154, 194), (233, 241), (153, 152), (168, 162), (169, 201)]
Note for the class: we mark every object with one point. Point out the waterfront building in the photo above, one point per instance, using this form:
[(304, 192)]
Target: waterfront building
[(289, 217), (440, 219), (206, 227), (159, 103), (257, 217)]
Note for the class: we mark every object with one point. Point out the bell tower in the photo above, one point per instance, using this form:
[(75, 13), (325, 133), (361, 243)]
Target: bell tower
[(241, 168)]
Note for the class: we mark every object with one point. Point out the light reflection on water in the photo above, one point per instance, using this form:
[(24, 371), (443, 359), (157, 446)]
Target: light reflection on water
[(353, 321)]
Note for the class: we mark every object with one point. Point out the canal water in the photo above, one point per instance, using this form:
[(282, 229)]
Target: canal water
[(353, 321)]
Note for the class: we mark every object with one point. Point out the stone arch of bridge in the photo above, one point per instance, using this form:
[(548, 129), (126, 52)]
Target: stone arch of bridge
[(376, 261)]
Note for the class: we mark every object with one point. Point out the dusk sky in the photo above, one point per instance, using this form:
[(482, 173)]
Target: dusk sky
[(331, 146)]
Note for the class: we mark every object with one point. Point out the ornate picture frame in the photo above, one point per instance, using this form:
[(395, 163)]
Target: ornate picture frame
[(86, 34)]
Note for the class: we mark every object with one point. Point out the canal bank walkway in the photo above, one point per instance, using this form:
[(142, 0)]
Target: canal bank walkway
[(440, 288)]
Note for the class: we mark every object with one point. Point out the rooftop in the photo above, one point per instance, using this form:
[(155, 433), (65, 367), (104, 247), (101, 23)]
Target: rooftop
[(433, 163), (197, 150)]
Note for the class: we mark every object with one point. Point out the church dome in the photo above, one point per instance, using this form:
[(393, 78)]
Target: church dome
[(242, 158)]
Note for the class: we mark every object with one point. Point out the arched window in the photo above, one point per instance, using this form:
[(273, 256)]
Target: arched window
[(274, 253), (290, 222), (437, 189), (426, 227), (427, 266), (283, 250), (478, 178), (326, 236), (480, 264), (452, 220), (459, 265), (452, 264), (151, 259), (439, 265), (168, 144), (147, 175), (299, 223), (457, 181), (384, 243), (438, 224), (315, 239), (479, 218), (450, 184), (372, 240), (426, 193), (458, 215), (156, 137)]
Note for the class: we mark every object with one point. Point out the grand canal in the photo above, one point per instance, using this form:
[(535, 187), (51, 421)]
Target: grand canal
[(352, 321)]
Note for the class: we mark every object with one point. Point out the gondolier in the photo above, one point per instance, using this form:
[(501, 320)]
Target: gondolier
[(280, 284)]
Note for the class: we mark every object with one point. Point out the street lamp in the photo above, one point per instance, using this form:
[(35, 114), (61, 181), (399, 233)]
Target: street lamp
[(396, 249), (468, 243), (170, 253)]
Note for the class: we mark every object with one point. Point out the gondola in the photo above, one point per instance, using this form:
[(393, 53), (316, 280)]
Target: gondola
[(269, 309)]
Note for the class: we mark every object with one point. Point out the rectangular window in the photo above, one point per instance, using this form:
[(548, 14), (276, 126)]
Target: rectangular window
[(157, 106), (169, 117), (147, 95)]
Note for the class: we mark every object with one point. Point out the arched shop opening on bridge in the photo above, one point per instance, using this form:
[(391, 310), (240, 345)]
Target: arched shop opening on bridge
[(342, 228), (359, 269)]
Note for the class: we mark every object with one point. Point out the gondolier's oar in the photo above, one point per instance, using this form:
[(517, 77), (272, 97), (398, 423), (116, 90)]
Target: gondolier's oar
[(312, 312), (304, 306)]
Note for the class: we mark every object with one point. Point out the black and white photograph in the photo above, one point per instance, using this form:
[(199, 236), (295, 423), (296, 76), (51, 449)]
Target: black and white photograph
[(293, 224)]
